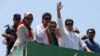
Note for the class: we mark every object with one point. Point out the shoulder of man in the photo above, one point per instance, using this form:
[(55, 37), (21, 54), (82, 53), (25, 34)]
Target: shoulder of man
[(96, 43), (87, 41), (21, 26), (40, 25), (77, 35)]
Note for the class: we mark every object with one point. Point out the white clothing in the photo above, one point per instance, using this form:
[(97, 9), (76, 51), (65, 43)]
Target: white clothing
[(41, 36), (70, 39), (23, 35)]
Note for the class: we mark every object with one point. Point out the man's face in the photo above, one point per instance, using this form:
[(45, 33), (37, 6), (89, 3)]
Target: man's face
[(28, 20), (16, 21), (46, 20), (91, 35), (52, 27), (69, 25)]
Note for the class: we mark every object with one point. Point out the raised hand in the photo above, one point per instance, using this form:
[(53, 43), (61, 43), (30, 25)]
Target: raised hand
[(59, 7)]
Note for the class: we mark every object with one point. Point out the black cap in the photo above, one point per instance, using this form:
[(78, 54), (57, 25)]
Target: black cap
[(16, 16)]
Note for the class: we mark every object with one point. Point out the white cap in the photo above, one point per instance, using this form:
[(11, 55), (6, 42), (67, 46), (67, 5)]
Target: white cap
[(27, 14)]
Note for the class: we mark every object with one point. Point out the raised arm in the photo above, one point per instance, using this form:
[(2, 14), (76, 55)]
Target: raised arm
[(59, 20)]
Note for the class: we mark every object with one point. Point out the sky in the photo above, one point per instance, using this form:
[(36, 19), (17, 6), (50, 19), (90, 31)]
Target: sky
[(85, 13)]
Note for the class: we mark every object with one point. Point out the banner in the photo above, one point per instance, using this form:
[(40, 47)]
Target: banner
[(37, 49)]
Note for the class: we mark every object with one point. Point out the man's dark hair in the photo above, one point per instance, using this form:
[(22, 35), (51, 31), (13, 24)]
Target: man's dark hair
[(91, 30), (53, 22), (69, 20), (46, 14)]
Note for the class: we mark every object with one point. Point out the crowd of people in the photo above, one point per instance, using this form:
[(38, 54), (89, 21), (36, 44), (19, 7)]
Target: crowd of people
[(48, 32)]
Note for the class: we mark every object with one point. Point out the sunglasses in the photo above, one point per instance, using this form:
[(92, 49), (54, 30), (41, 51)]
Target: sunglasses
[(69, 24), (47, 18), (29, 18), (53, 26)]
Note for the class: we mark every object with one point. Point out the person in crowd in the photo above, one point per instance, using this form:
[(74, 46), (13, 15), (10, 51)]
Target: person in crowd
[(24, 31), (91, 43), (10, 32), (41, 28), (52, 33), (69, 38)]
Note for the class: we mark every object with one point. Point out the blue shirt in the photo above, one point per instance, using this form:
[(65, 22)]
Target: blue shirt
[(92, 45)]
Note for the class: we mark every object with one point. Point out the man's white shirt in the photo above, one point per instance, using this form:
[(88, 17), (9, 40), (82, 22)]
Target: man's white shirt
[(69, 39), (41, 36)]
